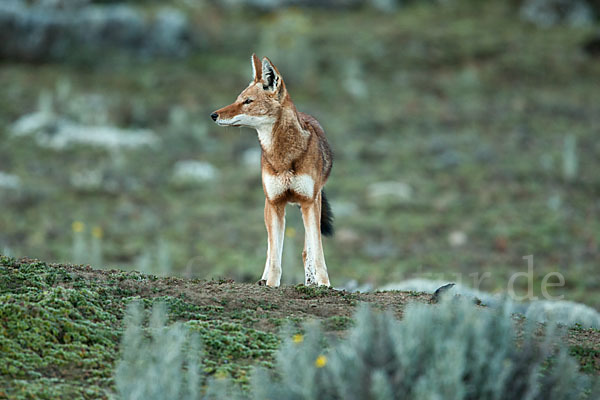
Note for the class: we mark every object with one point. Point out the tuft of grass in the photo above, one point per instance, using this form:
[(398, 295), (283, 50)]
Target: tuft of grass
[(312, 292), (588, 358), (180, 310), (338, 323), (232, 348)]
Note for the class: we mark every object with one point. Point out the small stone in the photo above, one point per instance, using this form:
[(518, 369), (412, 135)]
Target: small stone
[(9, 181), (192, 171), (398, 191), (457, 238)]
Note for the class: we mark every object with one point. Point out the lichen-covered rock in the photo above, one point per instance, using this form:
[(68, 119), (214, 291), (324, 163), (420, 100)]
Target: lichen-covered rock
[(55, 29), (563, 312), (56, 132), (275, 4), (193, 172), (9, 181), (552, 12)]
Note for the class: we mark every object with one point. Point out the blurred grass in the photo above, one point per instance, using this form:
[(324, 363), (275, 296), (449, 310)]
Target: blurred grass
[(462, 102)]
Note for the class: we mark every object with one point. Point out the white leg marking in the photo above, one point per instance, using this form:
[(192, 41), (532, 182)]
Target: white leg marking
[(272, 272), (309, 262), (315, 270), (275, 275), (268, 262)]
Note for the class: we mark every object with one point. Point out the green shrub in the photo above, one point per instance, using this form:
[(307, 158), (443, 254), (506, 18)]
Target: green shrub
[(450, 351)]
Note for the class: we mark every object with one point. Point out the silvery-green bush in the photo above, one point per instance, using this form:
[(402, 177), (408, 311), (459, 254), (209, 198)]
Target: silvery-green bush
[(449, 351), (552, 12), (159, 362)]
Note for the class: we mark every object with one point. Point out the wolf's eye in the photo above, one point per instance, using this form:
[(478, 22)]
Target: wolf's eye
[(248, 101)]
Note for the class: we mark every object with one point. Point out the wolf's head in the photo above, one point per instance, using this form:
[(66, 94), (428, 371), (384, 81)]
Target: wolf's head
[(258, 105)]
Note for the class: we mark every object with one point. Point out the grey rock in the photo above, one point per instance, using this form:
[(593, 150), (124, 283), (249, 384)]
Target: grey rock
[(54, 29), (56, 132), (276, 4), (552, 12), (193, 171), (9, 181), (544, 311)]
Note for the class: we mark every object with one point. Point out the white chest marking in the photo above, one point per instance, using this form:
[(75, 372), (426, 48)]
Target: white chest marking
[(303, 185), (276, 185)]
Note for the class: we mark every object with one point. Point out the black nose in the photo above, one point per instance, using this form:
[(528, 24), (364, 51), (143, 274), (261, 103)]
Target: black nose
[(214, 116)]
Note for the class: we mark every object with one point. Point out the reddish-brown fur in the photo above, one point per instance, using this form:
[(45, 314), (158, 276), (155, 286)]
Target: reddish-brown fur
[(294, 151)]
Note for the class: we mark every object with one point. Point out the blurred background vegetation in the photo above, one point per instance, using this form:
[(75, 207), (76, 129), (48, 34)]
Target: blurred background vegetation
[(465, 135)]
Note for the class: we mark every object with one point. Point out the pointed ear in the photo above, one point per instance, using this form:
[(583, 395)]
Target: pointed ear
[(270, 76), (256, 68)]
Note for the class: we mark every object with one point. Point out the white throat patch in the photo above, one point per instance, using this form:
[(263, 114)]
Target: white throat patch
[(265, 136), (262, 123)]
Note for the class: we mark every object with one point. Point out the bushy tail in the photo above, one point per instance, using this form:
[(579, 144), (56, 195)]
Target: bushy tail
[(326, 216)]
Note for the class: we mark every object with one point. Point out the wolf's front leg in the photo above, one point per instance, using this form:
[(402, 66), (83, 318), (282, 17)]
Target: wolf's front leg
[(275, 223), (315, 270)]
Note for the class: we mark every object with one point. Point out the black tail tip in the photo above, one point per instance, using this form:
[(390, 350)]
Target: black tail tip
[(326, 217)]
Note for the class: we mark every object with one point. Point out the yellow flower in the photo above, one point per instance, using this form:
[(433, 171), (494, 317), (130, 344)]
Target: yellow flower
[(321, 361), (298, 338), (97, 232), (290, 232), (77, 226)]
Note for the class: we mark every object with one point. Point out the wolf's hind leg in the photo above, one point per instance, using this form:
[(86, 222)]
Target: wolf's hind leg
[(275, 223), (315, 270)]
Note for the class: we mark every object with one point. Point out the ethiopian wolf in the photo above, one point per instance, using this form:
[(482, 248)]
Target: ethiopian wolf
[(295, 164)]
